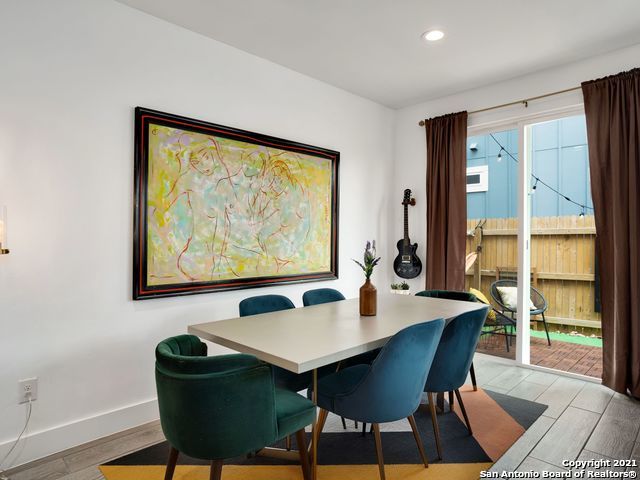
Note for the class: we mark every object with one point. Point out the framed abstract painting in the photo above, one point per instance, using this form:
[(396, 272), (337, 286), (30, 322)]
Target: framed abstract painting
[(217, 208)]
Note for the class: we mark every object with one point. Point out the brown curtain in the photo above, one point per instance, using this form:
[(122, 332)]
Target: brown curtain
[(446, 201), (612, 107)]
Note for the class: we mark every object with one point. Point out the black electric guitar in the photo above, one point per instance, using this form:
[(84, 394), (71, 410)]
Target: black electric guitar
[(407, 264)]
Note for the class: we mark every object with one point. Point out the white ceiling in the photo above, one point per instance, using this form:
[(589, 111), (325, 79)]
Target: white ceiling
[(373, 47)]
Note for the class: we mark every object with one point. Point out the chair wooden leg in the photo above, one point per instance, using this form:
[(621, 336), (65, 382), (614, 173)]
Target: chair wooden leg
[(344, 423), (376, 433), (472, 372), (171, 463), (451, 401), (322, 418), (434, 421), (416, 435), (216, 470), (301, 440), (287, 442), (364, 429), (464, 412)]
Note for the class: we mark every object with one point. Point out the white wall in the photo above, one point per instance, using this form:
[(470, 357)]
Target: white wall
[(71, 73), (410, 145)]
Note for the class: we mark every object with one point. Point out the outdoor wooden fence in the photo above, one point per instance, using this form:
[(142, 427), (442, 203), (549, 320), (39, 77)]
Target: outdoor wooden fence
[(562, 263)]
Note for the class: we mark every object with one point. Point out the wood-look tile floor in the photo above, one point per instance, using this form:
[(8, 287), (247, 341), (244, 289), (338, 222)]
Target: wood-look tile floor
[(584, 421)]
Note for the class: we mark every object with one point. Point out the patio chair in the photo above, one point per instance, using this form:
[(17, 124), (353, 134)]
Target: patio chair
[(496, 323), (538, 301)]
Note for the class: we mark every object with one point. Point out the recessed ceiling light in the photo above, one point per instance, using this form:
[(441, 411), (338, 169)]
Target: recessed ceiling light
[(433, 35)]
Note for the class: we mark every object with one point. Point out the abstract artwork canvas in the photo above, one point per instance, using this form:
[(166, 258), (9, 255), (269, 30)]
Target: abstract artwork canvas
[(217, 208)]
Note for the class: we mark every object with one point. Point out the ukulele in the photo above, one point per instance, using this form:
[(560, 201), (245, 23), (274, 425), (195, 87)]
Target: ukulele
[(407, 264)]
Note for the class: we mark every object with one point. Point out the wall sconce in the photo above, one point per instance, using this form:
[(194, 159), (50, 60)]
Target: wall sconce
[(3, 231)]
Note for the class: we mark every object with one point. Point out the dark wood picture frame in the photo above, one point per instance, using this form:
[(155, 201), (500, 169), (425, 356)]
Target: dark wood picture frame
[(141, 288)]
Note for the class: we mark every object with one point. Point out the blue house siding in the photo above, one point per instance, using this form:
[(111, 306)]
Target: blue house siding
[(503, 176), (560, 158)]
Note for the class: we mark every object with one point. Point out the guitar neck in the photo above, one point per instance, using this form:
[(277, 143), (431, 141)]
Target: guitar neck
[(406, 224)]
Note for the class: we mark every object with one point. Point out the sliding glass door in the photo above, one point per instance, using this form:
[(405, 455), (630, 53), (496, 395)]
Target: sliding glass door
[(565, 335), (531, 241), (492, 230)]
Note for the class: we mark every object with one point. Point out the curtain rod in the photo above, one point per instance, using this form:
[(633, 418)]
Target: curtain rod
[(524, 102)]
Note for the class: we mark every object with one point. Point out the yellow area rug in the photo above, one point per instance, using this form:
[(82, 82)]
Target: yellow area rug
[(442, 471)]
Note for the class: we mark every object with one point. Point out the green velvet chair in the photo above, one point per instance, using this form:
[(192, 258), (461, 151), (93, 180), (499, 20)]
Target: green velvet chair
[(327, 295), (319, 296), (264, 304), (389, 389), (276, 303), (452, 361), (463, 297), (220, 407)]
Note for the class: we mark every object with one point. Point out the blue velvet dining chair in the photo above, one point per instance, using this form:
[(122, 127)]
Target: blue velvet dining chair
[(275, 303), (220, 407), (283, 378), (452, 361), (328, 295), (460, 296), (264, 304), (321, 295), (318, 296), (389, 389)]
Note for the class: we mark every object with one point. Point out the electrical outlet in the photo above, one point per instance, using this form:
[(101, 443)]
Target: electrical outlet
[(27, 389)]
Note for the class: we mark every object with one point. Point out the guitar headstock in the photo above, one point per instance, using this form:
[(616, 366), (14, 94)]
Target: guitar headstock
[(408, 200)]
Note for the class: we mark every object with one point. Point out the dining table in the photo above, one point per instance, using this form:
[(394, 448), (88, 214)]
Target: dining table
[(304, 339)]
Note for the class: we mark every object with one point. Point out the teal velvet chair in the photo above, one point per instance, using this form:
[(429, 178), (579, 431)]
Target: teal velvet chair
[(452, 361), (389, 389), (463, 297), (220, 407), (264, 304), (327, 295), (321, 295), (448, 295), (275, 303)]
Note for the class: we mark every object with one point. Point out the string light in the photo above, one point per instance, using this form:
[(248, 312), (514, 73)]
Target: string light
[(583, 208)]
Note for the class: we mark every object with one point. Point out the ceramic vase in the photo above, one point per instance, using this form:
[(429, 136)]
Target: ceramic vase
[(368, 299)]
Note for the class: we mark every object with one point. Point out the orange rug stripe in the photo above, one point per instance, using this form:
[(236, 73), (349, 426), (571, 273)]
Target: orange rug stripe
[(493, 428), (446, 471)]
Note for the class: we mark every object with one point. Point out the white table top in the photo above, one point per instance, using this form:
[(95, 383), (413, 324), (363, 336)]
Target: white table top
[(305, 338)]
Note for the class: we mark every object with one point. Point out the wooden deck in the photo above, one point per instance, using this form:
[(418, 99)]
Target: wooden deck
[(568, 357)]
